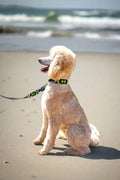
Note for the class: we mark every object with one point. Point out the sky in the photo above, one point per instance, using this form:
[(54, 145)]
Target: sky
[(79, 4)]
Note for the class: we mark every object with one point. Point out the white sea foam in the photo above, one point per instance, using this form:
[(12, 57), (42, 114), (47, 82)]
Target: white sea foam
[(86, 13), (92, 22), (21, 18), (85, 35), (115, 37), (91, 35), (44, 34), (88, 35)]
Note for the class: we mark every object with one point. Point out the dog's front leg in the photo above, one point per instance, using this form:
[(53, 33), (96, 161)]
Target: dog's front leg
[(50, 138), (43, 131)]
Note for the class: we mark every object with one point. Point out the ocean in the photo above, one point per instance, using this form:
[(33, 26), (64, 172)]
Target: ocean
[(32, 29)]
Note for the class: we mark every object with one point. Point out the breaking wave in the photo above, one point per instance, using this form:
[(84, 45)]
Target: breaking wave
[(93, 22), (64, 20), (21, 18), (85, 35), (51, 16), (44, 34)]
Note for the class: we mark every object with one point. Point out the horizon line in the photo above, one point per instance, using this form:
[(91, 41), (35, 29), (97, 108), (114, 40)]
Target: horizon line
[(37, 8)]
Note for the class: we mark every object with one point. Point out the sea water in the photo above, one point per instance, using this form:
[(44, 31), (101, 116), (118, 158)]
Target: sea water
[(38, 29)]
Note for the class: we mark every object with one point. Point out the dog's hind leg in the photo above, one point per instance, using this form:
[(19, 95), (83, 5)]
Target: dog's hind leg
[(78, 138), (42, 135), (52, 132)]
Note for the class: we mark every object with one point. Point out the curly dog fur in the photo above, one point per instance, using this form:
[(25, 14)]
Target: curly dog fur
[(61, 109)]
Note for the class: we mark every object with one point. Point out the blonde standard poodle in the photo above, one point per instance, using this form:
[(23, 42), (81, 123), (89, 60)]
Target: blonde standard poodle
[(62, 113)]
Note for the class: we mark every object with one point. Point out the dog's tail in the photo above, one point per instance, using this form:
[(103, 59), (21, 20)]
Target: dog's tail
[(95, 140)]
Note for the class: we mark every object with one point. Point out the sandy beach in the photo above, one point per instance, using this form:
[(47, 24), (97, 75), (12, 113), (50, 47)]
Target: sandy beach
[(96, 83)]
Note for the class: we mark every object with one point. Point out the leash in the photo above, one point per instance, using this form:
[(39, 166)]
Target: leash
[(34, 93)]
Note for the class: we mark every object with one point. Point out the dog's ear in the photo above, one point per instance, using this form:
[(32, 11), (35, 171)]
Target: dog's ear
[(62, 66)]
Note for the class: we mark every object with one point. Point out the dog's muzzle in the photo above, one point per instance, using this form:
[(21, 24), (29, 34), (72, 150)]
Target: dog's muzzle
[(45, 61)]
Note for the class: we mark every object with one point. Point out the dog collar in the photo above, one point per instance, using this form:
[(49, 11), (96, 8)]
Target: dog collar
[(61, 81)]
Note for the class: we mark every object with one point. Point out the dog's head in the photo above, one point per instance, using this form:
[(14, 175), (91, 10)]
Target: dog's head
[(60, 63)]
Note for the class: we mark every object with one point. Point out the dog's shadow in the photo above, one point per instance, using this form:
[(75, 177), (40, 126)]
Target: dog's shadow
[(100, 152)]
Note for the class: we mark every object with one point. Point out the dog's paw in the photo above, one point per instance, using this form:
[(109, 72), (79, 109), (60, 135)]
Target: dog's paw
[(61, 136), (71, 151), (37, 142), (42, 152)]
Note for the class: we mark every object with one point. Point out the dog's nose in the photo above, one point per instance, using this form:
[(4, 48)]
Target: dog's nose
[(40, 60), (45, 60)]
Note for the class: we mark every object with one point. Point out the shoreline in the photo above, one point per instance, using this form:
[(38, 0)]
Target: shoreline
[(19, 42)]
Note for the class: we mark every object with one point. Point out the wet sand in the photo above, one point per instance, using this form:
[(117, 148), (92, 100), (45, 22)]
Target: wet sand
[(95, 81)]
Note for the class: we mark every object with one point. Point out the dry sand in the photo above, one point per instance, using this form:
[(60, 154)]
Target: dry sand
[(96, 82)]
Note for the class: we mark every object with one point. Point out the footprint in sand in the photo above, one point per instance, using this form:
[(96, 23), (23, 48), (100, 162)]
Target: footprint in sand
[(2, 111)]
